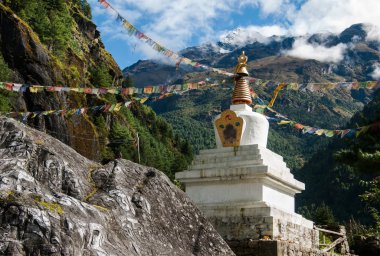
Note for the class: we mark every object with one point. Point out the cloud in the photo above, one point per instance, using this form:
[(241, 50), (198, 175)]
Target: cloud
[(373, 32), (376, 71), (269, 6), (332, 15), (173, 24), (246, 35), (321, 16), (179, 24), (302, 49)]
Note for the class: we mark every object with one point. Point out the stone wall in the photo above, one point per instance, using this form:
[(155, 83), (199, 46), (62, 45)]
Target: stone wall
[(250, 247), (254, 228)]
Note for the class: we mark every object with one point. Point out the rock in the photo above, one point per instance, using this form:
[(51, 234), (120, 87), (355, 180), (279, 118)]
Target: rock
[(33, 63), (54, 201)]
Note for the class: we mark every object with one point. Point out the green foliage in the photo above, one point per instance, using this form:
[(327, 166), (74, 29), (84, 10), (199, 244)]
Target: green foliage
[(158, 147), (100, 76), (106, 154), (128, 82), (347, 171), (5, 75), (5, 72), (50, 19), (321, 214), (84, 7), (371, 197)]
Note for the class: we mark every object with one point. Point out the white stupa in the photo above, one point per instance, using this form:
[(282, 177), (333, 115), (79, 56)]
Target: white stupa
[(243, 188)]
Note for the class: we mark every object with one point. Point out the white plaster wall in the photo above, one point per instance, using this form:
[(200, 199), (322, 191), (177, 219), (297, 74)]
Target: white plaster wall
[(224, 192), (278, 199)]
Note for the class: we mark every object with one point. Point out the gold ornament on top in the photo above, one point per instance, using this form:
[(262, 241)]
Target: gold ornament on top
[(230, 128), (241, 67), (241, 94)]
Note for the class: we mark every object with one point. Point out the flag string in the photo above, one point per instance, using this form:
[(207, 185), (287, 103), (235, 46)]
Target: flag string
[(280, 119)]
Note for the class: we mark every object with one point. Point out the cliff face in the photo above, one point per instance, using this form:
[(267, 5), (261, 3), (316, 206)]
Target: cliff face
[(56, 202), (32, 62), (56, 43)]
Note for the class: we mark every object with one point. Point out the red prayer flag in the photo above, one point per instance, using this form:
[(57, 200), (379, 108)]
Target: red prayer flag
[(104, 3)]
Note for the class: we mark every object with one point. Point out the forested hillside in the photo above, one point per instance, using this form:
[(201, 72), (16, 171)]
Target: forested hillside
[(192, 113), (343, 184), (55, 43)]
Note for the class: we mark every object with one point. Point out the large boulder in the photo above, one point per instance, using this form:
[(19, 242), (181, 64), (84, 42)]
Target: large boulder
[(56, 202)]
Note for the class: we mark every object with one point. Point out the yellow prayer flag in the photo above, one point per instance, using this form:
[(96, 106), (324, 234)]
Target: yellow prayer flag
[(118, 107), (320, 131), (284, 122), (362, 129), (33, 89)]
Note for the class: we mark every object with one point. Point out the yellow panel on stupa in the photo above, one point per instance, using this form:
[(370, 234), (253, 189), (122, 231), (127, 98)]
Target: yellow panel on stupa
[(229, 128)]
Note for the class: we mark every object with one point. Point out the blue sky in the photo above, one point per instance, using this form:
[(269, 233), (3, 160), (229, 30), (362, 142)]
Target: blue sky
[(183, 23)]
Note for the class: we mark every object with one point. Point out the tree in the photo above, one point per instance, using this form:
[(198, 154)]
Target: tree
[(323, 215), (100, 76), (128, 82)]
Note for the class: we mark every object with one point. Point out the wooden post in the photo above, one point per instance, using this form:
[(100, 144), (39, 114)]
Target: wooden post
[(138, 146), (333, 244)]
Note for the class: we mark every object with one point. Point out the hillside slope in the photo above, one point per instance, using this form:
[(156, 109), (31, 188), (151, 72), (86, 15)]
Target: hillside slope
[(56, 43), (269, 59), (191, 114)]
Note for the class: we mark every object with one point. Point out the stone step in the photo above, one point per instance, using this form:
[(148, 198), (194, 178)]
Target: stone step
[(251, 152), (228, 149), (272, 160), (239, 172), (222, 159), (226, 172), (230, 164)]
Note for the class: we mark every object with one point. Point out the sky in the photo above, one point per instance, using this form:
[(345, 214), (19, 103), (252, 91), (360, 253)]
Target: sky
[(183, 23)]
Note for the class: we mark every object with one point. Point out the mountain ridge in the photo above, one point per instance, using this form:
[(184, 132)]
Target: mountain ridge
[(357, 63)]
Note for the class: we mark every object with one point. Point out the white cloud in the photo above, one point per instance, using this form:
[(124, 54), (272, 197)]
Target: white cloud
[(321, 16), (245, 35), (269, 6), (333, 15), (181, 23), (373, 32), (302, 49), (173, 24), (376, 72)]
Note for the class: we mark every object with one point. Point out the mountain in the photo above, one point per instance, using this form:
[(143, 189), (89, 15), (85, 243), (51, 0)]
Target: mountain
[(357, 63), (56, 43), (191, 114), (54, 201)]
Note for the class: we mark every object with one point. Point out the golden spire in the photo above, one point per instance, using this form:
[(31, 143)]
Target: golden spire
[(241, 93)]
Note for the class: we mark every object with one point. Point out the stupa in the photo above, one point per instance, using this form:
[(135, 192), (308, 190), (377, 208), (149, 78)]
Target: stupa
[(245, 189)]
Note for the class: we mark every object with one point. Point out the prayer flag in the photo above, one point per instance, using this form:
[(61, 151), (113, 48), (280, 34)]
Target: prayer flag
[(104, 3), (117, 107)]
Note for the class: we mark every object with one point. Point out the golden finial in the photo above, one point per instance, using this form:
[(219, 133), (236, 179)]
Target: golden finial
[(242, 64), (241, 93)]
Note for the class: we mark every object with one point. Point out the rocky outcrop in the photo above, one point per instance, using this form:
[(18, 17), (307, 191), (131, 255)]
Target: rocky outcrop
[(33, 63), (56, 202)]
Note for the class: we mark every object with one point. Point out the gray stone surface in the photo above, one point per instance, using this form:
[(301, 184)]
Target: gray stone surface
[(54, 201), (251, 247)]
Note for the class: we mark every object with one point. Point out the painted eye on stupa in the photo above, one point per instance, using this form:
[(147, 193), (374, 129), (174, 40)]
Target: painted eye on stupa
[(221, 126), (237, 124)]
